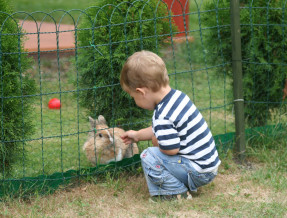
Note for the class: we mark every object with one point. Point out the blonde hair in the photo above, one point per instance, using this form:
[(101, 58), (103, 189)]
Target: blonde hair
[(144, 69)]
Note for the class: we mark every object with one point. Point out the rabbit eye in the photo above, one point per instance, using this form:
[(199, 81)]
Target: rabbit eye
[(100, 135)]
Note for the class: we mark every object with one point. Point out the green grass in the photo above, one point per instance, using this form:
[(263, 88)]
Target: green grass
[(237, 191), (55, 8), (47, 6), (270, 151)]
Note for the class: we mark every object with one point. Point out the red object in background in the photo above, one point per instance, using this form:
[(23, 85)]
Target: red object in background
[(178, 8), (54, 103)]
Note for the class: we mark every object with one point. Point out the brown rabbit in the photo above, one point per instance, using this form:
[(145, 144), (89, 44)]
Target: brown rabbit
[(106, 143)]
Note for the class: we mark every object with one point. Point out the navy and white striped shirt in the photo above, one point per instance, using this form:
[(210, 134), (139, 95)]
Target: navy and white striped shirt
[(177, 123)]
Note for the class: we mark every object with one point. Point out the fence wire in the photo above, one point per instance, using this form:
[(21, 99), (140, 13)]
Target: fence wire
[(51, 55)]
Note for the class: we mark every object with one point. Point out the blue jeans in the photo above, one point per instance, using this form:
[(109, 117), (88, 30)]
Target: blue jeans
[(171, 175)]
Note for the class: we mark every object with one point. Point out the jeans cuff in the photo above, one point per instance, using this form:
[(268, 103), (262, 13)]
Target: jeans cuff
[(164, 192)]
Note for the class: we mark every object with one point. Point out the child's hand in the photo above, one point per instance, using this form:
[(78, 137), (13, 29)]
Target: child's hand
[(129, 137), (154, 141)]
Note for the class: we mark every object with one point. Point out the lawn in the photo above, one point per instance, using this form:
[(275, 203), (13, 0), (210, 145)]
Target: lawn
[(256, 189), (48, 6), (39, 9)]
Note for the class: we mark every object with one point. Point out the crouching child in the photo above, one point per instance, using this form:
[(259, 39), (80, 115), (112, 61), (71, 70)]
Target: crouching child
[(184, 156)]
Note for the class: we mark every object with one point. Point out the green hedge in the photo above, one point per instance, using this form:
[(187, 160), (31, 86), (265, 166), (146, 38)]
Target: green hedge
[(264, 44), (15, 84), (112, 31)]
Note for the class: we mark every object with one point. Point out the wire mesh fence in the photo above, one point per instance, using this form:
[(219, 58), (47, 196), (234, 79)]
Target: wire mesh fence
[(76, 57)]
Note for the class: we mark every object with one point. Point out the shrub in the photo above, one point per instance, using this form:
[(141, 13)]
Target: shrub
[(112, 31), (15, 110), (263, 52)]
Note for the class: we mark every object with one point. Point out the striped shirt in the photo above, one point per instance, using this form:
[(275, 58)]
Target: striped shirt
[(177, 123)]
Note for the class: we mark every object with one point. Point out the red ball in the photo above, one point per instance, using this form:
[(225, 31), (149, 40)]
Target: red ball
[(54, 103)]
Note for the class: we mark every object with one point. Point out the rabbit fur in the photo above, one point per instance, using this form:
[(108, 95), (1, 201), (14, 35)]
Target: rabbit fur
[(106, 143)]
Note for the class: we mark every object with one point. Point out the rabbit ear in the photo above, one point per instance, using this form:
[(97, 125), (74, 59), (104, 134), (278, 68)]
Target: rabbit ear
[(92, 122), (110, 136), (101, 120)]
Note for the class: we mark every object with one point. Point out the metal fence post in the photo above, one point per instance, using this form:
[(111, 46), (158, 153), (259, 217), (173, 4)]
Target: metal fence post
[(237, 80)]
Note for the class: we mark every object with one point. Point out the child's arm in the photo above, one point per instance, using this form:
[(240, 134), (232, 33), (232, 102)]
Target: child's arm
[(170, 152), (144, 135), (135, 136), (154, 141), (167, 152)]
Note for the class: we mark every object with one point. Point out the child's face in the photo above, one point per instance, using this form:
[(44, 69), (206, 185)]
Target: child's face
[(143, 98)]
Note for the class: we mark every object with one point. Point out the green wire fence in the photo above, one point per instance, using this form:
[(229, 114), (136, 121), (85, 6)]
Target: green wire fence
[(41, 148)]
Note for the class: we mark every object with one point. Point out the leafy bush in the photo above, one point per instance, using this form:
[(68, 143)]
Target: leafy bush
[(112, 31), (263, 41), (15, 111)]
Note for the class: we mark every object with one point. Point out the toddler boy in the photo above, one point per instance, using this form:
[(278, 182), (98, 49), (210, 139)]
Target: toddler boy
[(184, 156)]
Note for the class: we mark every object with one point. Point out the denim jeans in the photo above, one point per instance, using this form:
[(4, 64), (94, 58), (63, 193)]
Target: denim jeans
[(170, 175)]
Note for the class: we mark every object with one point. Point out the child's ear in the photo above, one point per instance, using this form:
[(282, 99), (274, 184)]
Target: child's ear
[(141, 91)]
